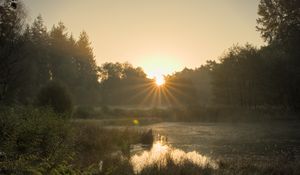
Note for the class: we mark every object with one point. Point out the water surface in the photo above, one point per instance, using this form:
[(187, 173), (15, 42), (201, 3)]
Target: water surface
[(256, 141)]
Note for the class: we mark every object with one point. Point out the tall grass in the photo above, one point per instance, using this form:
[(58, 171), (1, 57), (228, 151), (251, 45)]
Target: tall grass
[(40, 141), (94, 143), (34, 140), (225, 168)]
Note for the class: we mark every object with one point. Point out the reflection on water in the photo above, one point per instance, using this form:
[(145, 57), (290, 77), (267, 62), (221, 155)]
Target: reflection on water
[(161, 152), (232, 141), (257, 142)]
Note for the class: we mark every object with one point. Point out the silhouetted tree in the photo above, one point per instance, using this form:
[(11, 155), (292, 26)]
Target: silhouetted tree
[(35, 63), (11, 25), (182, 89), (279, 24), (237, 78), (121, 82), (201, 80), (87, 85), (56, 96), (279, 20)]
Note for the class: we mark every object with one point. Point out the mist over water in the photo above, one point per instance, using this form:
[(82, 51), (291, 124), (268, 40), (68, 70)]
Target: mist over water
[(205, 144)]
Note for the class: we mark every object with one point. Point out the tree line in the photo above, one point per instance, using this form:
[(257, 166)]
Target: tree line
[(268, 76), (32, 56), (245, 76)]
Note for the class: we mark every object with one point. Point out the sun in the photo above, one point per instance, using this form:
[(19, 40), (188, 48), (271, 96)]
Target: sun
[(159, 80)]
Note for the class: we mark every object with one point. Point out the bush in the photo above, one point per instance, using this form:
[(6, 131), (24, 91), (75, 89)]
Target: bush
[(55, 96), (34, 141), (95, 143)]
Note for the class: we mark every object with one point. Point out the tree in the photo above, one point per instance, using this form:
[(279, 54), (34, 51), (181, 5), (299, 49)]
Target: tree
[(121, 83), (201, 80), (279, 19), (35, 63), (60, 54), (87, 84), (56, 96), (236, 79), (182, 90), (11, 25), (30, 56), (86, 59), (279, 24)]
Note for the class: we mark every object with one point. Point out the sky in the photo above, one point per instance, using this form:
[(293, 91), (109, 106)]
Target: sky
[(161, 36)]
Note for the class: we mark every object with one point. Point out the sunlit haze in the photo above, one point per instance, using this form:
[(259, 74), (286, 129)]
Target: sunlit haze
[(148, 87), (161, 36), (159, 80)]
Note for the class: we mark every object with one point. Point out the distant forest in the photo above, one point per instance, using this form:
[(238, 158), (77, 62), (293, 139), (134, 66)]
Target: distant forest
[(246, 76)]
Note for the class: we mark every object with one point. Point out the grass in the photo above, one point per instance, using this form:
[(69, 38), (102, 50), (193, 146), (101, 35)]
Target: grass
[(272, 167), (95, 143), (185, 168), (34, 140), (39, 141)]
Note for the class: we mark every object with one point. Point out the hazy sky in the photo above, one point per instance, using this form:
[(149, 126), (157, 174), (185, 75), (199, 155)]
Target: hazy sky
[(158, 35)]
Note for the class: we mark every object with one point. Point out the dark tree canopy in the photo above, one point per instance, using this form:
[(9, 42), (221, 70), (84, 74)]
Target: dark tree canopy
[(31, 56), (56, 96), (279, 19), (11, 44)]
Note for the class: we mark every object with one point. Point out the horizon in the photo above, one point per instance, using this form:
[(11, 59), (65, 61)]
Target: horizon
[(176, 87), (161, 37)]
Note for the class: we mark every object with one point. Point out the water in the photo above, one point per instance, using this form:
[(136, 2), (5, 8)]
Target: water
[(206, 144), (255, 141)]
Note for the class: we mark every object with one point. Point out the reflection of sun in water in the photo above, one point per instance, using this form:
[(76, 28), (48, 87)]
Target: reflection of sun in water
[(159, 80), (160, 154)]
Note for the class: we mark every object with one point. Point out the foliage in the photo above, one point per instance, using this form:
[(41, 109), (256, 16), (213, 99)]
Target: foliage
[(279, 20), (119, 81), (39, 141), (111, 146), (34, 141), (11, 46), (31, 56), (246, 76), (183, 89), (199, 81), (225, 168), (55, 96), (255, 83), (279, 24), (235, 78)]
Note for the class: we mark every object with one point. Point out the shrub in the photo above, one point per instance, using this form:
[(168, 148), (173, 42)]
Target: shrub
[(34, 141), (95, 143), (56, 96)]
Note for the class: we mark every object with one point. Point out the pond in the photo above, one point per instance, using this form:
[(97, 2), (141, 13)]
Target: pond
[(255, 141)]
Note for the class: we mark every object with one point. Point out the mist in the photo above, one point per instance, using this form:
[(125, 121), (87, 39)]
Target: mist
[(185, 106)]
